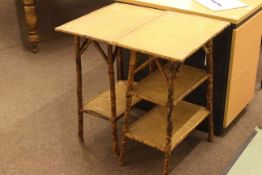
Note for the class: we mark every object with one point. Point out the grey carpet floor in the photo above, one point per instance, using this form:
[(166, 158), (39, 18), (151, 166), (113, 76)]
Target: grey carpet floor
[(38, 131), (249, 162)]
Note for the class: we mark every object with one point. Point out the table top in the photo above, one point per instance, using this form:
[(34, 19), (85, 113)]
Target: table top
[(111, 22), (234, 16), (169, 35), (173, 36)]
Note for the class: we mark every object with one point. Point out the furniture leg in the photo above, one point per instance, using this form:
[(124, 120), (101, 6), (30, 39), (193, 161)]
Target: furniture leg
[(31, 21), (151, 68), (113, 99), (209, 54), (79, 87), (167, 162), (131, 73), (120, 70), (170, 113)]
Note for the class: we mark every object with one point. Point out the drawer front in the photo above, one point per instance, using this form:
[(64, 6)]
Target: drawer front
[(245, 51)]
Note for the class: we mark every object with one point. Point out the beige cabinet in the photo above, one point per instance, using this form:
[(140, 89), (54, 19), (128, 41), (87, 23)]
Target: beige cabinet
[(243, 67)]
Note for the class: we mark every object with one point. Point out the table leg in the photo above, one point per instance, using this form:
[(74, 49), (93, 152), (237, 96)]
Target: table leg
[(131, 74), (209, 55), (79, 88), (173, 70), (31, 21)]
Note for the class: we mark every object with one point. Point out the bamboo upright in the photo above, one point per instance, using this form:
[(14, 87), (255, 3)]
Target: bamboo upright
[(111, 74), (79, 87), (170, 113), (120, 66), (131, 72), (209, 53)]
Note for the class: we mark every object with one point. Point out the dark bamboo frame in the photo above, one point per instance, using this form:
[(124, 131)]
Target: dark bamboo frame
[(173, 69), (171, 77), (131, 72), (109, 58), (209, 55)]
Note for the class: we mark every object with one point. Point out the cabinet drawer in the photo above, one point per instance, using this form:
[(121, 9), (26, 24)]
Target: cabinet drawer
[(245, 50)]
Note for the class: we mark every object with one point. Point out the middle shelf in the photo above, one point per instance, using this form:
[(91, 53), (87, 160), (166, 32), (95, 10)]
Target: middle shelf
[(154, 87)]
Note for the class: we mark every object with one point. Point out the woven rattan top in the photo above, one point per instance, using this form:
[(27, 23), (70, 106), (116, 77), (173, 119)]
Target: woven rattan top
[(111, 22), (173, 36), (170, 35)]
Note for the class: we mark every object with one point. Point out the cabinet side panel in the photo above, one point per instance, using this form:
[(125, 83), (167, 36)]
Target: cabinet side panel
[(243, 67)]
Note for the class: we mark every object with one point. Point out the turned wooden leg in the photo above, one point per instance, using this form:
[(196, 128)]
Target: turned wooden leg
[(131, 73), (113, 99), (209, 54), (31, 21), (79, 87)]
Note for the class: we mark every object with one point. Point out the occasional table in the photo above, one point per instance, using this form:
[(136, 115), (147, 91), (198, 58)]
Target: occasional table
[(170, 36)]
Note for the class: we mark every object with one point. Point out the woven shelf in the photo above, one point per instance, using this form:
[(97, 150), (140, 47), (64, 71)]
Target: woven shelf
[(150, 129), (154, 87), (101, 105)]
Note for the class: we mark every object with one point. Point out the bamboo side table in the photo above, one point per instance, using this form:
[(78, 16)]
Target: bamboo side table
[(173, 37), (31, 21), (105, 26)]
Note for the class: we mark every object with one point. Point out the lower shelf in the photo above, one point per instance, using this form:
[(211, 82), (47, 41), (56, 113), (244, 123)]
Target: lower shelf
[(101, 105), (150, 129)]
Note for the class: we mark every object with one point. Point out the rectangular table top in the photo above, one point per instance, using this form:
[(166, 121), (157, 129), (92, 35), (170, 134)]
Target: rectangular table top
[(169, 35), (234, 16), (110, 22), (174, 36)]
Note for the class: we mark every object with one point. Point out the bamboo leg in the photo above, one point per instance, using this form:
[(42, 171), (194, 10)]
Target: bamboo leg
[(170, 111), (100, 50), (120, 71), (79, 87), (113, 99), (161, 70), (144, 64), (151, 67), (131, 71), (31, 21), (209, 53), (167, 162)]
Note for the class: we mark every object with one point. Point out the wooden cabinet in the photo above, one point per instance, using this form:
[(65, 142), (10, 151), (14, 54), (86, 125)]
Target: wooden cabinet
[(243, 67)]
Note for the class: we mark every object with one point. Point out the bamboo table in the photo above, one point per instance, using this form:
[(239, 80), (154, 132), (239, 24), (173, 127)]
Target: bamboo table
[(105, 25), (236, 54), (167, 35)]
